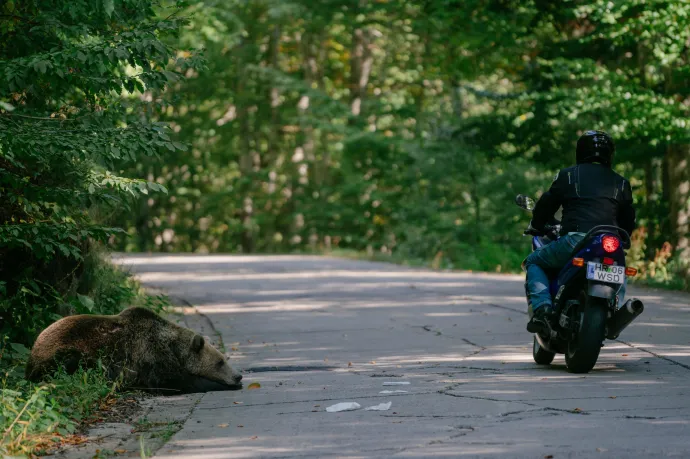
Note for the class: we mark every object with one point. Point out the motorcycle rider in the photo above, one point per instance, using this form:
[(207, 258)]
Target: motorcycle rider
[(591, 194)]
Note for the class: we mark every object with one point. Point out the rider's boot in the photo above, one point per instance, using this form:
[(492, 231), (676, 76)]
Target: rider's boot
[(538, 321)]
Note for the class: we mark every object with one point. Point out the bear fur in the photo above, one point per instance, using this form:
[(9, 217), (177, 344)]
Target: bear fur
[(146, 351)]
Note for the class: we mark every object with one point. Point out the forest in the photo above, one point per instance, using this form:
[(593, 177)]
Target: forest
[(405, 128), (393, 129), (389, 129)]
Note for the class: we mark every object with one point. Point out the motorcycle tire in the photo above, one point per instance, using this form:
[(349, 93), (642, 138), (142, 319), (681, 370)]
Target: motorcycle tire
[(541, 356), (583, 351)]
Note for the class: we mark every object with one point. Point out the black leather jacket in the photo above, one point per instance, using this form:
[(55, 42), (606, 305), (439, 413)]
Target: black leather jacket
[(591, 195)]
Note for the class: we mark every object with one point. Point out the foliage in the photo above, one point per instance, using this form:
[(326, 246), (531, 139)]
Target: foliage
[(619, 66), (33, 417), (659, 271), (282, 159), (403, 128), (73, 75)]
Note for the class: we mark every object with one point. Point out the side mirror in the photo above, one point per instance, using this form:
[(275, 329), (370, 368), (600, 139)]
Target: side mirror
[(525, 202)]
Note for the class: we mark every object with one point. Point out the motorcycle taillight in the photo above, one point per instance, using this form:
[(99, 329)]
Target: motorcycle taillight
[(610, 243)]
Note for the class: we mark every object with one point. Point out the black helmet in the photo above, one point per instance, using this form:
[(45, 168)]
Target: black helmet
[(595, 147)]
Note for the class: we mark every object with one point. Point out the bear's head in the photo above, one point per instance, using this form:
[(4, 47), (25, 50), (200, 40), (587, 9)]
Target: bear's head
[(209, 368)]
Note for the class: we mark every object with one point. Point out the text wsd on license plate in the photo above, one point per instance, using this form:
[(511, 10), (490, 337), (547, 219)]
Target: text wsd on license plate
[(604, 273)]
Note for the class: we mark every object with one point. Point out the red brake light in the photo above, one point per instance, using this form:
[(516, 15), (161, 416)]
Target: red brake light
[(607, 261), (610, 243)]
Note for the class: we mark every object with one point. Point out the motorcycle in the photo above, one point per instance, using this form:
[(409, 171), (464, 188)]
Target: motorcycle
[(584, 294)]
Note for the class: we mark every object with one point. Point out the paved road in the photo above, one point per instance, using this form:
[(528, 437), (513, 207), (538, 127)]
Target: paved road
[(337, 330)]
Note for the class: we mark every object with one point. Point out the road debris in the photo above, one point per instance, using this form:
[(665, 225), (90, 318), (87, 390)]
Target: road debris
[(379, 407), (344, 406)]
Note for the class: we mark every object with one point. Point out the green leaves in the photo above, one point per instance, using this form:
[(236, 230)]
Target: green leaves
[(46, 240), (19, 351), (86, 302), (46, 409), (108, 7), (74, 80), (96, 65)]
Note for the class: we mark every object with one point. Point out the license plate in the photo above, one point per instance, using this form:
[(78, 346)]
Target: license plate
[(605, 273)]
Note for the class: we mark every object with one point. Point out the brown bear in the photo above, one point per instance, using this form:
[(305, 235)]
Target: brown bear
[(145, 350)]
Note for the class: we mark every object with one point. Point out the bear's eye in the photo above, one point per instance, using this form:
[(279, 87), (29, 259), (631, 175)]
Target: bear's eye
[(220, 363)]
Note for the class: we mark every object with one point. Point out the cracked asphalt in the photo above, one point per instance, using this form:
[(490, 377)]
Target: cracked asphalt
[(317, 331)]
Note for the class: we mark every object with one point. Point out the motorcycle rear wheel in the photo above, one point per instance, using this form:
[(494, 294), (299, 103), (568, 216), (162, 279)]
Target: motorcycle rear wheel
[(583, 351), (541, 356)]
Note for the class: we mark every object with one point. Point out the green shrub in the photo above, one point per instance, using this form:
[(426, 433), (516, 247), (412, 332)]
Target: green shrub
[(102, 288), (33, 416), (70, 117), (662, 270)]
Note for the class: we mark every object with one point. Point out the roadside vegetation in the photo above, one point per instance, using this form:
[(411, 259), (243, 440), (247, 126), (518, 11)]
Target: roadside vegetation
[(35, 418), (73, 74)]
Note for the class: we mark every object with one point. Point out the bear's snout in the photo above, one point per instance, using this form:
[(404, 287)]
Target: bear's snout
[(237, 378)]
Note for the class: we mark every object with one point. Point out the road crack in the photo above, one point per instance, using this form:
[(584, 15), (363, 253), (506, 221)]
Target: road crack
[(674, 362)]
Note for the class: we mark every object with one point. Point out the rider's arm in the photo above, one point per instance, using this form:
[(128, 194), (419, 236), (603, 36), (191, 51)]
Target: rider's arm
[(626, 212), (549, 202)]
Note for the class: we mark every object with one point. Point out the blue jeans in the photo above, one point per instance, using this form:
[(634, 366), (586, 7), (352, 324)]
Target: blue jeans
[(553, 256)]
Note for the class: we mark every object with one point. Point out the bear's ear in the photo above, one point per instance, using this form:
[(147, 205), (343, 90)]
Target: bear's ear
[(197, 343)]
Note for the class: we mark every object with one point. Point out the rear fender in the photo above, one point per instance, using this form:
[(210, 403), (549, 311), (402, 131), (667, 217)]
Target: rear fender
[(600, 290)]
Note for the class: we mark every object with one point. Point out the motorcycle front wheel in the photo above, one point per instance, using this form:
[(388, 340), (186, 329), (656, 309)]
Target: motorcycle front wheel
[(583, 350), (541, 356)]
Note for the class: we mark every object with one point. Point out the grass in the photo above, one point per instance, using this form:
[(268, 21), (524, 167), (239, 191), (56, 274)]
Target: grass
[(162, 430), (36, 417), (376, 256), (219, 340), (483, 258)]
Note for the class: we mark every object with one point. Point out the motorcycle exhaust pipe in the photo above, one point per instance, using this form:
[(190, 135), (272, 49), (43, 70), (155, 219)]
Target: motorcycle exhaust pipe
[(624, 317)]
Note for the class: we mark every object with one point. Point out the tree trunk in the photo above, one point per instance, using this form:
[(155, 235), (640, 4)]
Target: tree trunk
[(650, 186), (246, 158), (273, 98), (314, 51), (679, 193), (665, 223), (141, 223), (361, 61)]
